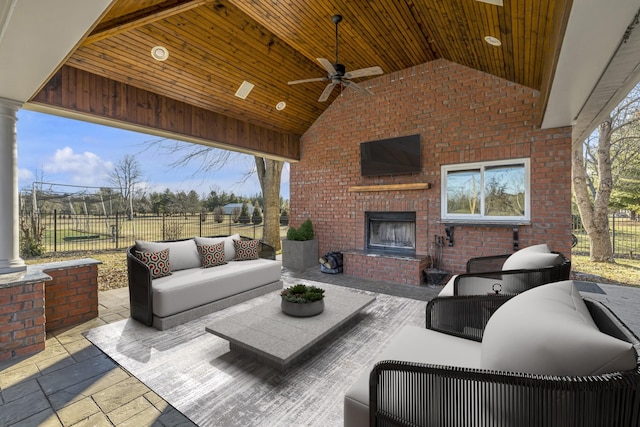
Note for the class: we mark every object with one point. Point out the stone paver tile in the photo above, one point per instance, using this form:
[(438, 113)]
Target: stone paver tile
[(148, 417), (112, 317), (10, 377), (66, 377), (86, 388), (129, 410), (78, 411), (174, 418), (53, 364), (75, 333), (156, 401), (82, 349), (22, 408), (120, 394), (46, 418), (95, 420), (22, 388)]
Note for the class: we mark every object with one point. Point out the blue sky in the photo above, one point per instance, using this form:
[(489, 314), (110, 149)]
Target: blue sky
[(64, 151)]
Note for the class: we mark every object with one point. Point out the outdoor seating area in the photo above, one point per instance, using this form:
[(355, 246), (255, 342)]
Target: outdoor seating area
[(80, 380)]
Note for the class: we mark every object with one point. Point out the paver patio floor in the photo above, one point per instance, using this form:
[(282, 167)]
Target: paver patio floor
[(72, 383)]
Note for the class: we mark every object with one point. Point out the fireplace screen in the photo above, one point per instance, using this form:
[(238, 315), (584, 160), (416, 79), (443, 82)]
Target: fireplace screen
[(391, 231)]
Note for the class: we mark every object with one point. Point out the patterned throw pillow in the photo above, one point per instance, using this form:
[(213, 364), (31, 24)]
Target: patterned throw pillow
[(212, 255), (246, 249), (158, 262)]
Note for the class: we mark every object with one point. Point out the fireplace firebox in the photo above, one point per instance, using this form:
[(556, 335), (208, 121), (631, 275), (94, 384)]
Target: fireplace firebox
[(391, 232)]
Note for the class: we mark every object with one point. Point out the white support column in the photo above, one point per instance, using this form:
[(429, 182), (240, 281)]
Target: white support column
[(10, 261)]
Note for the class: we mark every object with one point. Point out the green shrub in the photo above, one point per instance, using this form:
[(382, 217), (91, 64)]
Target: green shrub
[(302, 294), (304, 232)]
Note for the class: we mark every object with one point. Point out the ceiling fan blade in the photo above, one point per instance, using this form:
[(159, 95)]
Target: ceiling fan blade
[(363, 72), (357, 87), (327, 65), (326, 92), (317, 79)]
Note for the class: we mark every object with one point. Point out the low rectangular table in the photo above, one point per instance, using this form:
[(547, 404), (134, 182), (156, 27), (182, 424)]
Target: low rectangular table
[(279, 340)]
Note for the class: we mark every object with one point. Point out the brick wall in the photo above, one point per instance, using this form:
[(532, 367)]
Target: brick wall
[(71, 296), (22, 329), (463, 115)]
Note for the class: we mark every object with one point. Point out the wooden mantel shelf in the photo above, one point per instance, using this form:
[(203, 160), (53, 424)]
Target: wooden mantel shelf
[(390, 187)]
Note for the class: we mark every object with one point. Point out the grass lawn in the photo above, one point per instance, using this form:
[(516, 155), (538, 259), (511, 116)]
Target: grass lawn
[(112, 273)]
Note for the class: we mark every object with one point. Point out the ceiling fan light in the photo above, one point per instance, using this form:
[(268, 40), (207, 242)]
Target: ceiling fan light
[(159, 53)]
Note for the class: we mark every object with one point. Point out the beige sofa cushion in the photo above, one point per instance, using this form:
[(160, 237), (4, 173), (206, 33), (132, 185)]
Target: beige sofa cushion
[(182, 254), (548, 330)]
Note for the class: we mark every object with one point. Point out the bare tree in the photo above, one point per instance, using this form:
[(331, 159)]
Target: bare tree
[(597, 165), (212, 159), (124, 176)]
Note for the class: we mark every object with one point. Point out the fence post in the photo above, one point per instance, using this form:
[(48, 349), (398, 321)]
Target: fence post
[(613, 221), (55, 230), (163, 226), (117, 230)]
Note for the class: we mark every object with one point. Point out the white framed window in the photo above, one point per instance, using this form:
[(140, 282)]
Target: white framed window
[(495, 191)]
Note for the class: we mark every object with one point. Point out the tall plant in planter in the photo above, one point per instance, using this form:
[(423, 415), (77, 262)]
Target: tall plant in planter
[(300, 249)]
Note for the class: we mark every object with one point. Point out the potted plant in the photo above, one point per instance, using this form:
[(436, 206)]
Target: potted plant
[(300, 249), (302, 301)]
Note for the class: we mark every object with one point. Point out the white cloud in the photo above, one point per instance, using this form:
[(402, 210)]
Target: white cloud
[(25, 175), (84, 168)]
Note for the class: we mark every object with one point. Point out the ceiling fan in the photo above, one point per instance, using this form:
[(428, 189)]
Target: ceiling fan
[(337, 72)]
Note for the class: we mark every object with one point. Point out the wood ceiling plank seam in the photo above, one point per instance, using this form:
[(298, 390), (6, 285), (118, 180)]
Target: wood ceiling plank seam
[(477, 26), (546, 42), (493, 23), (284, 59), (465, 56), (435, 21), (541, 42), (308, 46), (533, 32), (368, 37), (507, 42), (521, 37), (420, 49), (425, 30)]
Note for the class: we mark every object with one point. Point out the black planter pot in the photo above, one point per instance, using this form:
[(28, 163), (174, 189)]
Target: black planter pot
[(302, 310)]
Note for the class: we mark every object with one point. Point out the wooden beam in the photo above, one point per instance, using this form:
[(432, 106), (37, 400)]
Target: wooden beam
[(390, 187), (141, 17), (83, 94)]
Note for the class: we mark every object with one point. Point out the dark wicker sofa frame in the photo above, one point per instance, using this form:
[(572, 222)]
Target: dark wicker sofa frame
[(411, 394), (489, 267), (139, 278)]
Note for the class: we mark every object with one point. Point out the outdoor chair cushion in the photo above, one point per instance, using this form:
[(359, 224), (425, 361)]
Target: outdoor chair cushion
[(411, 344), (548, 330), (158, 262), (529, 258), (183, 254), (212, 255)]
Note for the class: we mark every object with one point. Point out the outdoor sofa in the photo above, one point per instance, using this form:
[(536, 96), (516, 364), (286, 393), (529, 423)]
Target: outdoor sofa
[(510, 273), (174, 282), (545, 357)]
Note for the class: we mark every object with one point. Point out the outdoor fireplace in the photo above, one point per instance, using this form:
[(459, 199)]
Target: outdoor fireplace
[(391, 232)]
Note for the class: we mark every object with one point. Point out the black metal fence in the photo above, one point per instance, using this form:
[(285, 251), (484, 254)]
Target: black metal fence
[(624, 232), (70, 233)]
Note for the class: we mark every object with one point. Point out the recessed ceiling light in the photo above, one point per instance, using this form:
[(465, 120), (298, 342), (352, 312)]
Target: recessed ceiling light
[(159, 53), (281, 105), (492, 41), (244, 89)]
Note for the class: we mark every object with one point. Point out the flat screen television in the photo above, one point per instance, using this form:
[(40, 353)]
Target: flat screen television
[(393, 156)]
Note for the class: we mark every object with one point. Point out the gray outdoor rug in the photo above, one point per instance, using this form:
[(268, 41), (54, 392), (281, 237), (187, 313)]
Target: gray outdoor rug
[(194, 371)]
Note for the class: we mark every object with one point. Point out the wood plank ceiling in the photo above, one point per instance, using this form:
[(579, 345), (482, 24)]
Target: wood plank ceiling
[(214, 45)]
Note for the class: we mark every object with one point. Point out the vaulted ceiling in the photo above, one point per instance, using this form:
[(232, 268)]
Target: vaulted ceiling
[(215, 45), (567, 50)]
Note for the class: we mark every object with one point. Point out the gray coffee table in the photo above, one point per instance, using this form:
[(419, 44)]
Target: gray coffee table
[(278, 340)]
